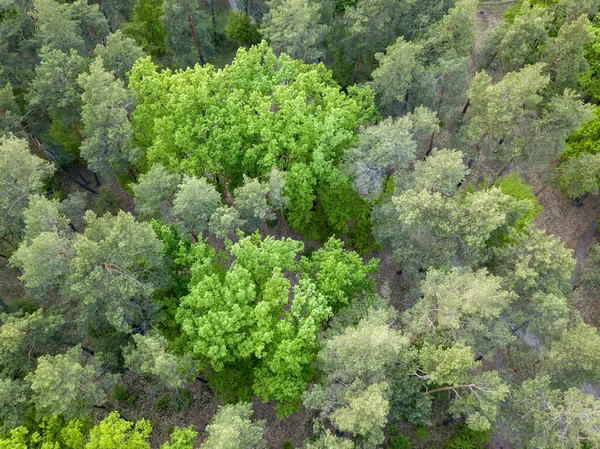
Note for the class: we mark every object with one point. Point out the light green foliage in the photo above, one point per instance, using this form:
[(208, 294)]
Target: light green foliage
[(232, 428), (110, 283), (476, 395), (462, 225), (115, 432), (358, 364), (51, 433), (441, 172), (330, 441), (572, 359), (454, 34), (145, 27), (261, 111), (67, 384), (341, 276), (293, 27), (194, 203), (150, 358), (386, 148), (580, 175), (590, 273), (181, 439), (240, 29), (21, 174), (118, 54), (186, 26), (154, 193), (539, 416), (507, 121), (512, 185), (251, 202), (55, 85), (533, 261), (518, 43), (264, 342), (225, 221), (589, 80), (277, 198), (462, 307), (25, 336), (400, 72), (43, 215), (56, 26), (107, 147), (15, 440)]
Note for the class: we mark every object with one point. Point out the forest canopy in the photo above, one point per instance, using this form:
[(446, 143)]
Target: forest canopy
[(329, 224)]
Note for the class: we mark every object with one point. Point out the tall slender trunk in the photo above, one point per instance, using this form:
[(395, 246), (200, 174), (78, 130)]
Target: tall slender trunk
[(195, 37), (79, 136), (356, 68), (214, 20), (98, 184), (430, 146)]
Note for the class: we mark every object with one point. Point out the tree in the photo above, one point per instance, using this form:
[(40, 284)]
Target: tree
[(185, 25), (358, 365), (154, 193), (461, 307), (293, 27), (57, 27), (277, 199), (386, 148), (150, 358), (145, 27), (68, 384), (21, 174), (225, 221), (112, 285), (518, 43), (330, 441), (24, 337), (507, 121), (251, 202), (241, 30), (401, 72), (194, 203), (92, 24), (181, 439), (303, 138), (441, 172), (580, 175), (539, 416), (118, 54), (232, 428), (107, 147), (55, 86), (114, 431)]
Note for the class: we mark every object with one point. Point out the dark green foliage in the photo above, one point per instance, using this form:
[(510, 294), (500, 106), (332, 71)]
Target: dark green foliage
[(240, 29), (399, 442), (145, 27), (469, 439)]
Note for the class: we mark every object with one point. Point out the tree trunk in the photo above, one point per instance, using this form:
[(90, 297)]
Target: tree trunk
[(430, 146), (98, 184), (466, 108), (214, 20), (195, 37), (356, 68), (580, 200), (79, 136)]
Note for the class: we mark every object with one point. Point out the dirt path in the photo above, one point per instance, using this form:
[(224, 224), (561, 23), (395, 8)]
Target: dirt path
[(584, 243), (233, 5)]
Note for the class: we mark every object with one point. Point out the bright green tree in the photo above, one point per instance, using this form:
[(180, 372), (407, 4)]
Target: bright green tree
[(302, 126), (114, 431)]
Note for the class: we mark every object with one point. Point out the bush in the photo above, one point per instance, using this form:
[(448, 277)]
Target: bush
[(400, 442), (469, 439), (513, 185), (422, 433), (287, 445)]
